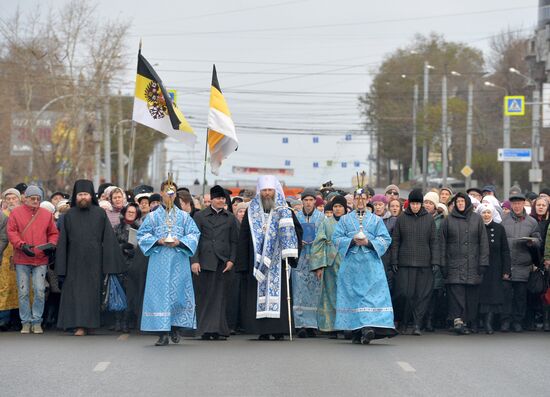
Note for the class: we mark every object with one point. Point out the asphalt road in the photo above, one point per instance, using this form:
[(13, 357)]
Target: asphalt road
[(441, 364)]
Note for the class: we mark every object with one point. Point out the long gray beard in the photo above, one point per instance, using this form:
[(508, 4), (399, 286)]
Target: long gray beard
[(268, 204)]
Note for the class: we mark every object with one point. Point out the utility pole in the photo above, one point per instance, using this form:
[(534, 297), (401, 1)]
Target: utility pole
[(97, 147), (107, 132), (427, 67), (444, 142), (414, 150), (535, 173), (469, 131), (506, 164), (120, 143)]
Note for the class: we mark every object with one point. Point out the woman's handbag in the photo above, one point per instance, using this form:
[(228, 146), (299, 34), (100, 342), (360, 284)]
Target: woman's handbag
[(113, 298)]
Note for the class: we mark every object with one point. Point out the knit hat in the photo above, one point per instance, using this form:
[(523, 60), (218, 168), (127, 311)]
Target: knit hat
[(379, 198), (339, 200), (308, 193), (319, 201), (391, 187), (447, 189), (12, 191), (242, 206), (416, 196), (433, 197), (155, 197), (34, 190)]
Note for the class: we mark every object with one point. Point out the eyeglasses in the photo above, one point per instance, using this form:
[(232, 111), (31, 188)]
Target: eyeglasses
[(393, 193), (34, 198)]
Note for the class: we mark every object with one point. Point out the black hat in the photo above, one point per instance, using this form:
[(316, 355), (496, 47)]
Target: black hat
[(474, 189), (370, 190), (517, 197), (328, 206), (64, 195), (217, 191), (83, 186), (339, 200), (308, 193), (545, 191), (489, 188), (155, 197), (531, 196), (21, 187), (416, 196), (143, 197), (102, 188)]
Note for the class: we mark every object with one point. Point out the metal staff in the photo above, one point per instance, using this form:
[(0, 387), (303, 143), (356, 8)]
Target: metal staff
[(289, 307)]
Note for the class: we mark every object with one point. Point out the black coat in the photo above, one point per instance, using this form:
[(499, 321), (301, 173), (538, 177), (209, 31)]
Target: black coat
[(491, 291), (219, 238), (245, 264), (87, 249), (464, 247), (414, 240)]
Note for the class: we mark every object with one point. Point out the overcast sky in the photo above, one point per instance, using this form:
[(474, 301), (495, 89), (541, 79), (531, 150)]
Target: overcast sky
[(289, 67)]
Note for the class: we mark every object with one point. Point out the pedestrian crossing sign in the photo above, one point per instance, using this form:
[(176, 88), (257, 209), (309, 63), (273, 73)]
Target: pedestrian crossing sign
[(514, 105)]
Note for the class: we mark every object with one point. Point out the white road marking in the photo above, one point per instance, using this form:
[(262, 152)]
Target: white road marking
[(405, 366), (102, 366)]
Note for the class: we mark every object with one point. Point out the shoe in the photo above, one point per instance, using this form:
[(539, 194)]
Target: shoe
[(356, 337), (489, 323), (466, 331), (416, 330), (458, 327), (26, 329), (302, 333), (505, 326), (517, 327), (473, 328), (175, 336), (80, 332), (37, 329), (118, 326), (429, 326), (279, 336), (333, 335), (367, 334), (263, 337), (125, 328), (546, 319), (311, 333), (207, 337), (163, 340)]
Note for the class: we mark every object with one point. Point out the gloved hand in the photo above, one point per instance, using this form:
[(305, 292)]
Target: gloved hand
[(394, 268), (27, 250)]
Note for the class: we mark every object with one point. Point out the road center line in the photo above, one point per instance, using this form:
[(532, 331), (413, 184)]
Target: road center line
[(101, 366), (405, 366)]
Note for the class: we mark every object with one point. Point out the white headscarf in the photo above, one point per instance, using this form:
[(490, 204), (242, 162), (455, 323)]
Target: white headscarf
[(494, 202), (486, 206), (269, 182)]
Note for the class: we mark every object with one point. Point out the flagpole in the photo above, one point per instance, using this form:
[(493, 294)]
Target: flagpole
[(204, 170)]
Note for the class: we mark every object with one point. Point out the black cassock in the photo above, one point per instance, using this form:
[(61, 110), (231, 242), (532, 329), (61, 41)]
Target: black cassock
[(245, 264), (87, 249)]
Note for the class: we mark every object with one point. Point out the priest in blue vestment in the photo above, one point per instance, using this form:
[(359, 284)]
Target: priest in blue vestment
[(363, 302), (306, 287), (169, 237)]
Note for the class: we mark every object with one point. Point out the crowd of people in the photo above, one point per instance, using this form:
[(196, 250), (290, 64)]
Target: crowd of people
[(357, 265)]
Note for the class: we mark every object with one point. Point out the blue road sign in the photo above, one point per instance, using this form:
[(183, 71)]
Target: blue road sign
[(510, 154), (514, 105)]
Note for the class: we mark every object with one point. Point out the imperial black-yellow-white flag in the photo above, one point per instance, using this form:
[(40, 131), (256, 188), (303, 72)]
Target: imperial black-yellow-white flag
[(222, 139), (154, 108)]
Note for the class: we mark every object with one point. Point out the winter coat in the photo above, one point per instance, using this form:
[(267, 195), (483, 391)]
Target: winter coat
[(464, 247), (439, 282), (414, 240), (491, 291), (40, 232), (521, 254)]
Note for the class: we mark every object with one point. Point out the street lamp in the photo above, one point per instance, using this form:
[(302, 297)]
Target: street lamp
[(414, 129), (506, 143), (427, 68), (469, 126), (535, 174)]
